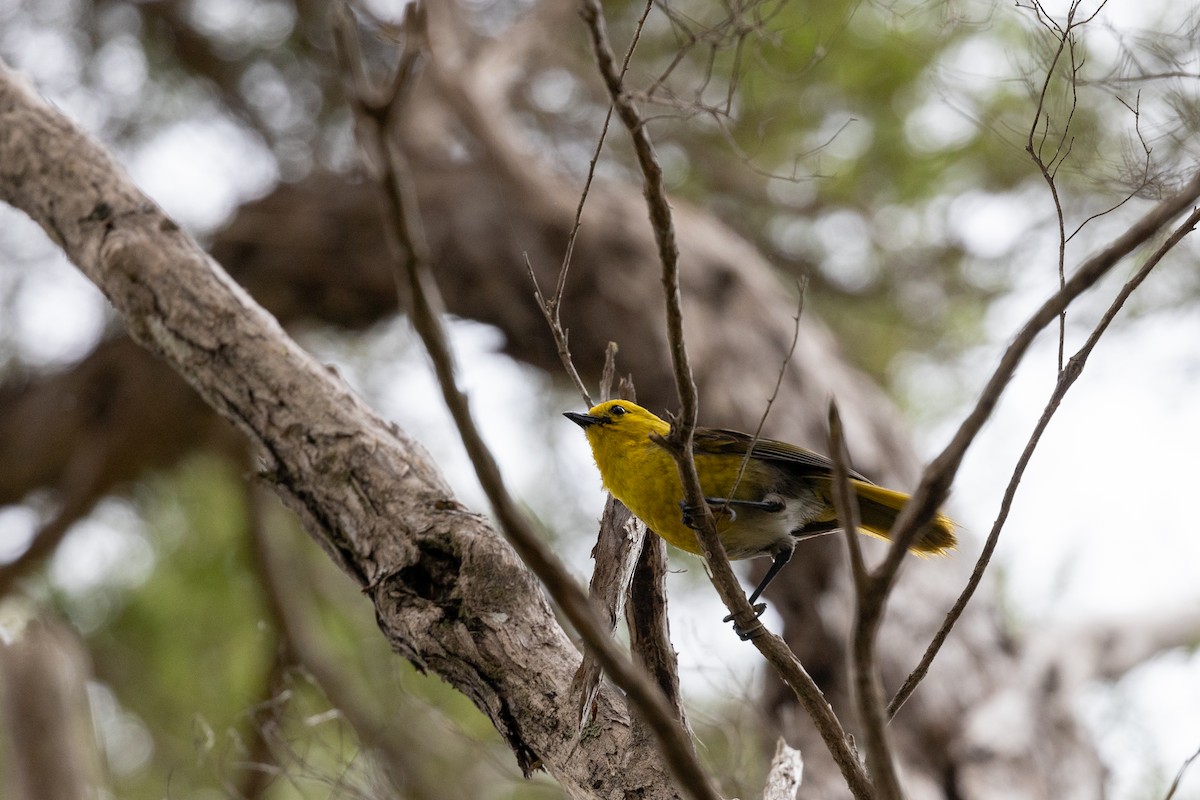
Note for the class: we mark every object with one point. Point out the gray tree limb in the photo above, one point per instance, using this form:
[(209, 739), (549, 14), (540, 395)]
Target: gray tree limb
[(450, 595)]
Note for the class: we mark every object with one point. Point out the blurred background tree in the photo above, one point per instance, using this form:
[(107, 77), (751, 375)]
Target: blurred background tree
[(877, 149)]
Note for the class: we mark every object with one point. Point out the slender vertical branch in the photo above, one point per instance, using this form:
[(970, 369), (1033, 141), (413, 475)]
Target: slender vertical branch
[(864, 663), (649, 631), (802, 288), (549, 307), (1187, 762), (552, 306)]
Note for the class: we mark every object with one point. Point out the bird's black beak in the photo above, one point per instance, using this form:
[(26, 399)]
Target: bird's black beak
[(584, 420)]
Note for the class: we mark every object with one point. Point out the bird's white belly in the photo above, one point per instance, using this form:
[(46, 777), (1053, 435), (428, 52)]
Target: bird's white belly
[(762, 533)]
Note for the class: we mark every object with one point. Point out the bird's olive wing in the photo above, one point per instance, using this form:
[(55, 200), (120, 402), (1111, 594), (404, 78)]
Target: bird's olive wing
[(720, 440)]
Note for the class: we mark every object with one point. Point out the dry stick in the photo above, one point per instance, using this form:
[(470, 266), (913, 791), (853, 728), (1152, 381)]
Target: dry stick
[(786, 774), (802, 286), (609, 373), (679, 442), (1136, 110), (402, 221), (649, 630), (1066, 379), (868, 690), (936, 480), (1179, 775), (550, 312), (619, 542)]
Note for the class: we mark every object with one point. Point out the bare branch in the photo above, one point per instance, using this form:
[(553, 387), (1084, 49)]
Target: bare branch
[(1066, 379), (1187, 762), (549, 307), (1049, 168), (618, 543), (868, 691), (649, 631)]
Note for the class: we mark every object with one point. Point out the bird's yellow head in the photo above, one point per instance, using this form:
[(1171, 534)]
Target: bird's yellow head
[(617, 424)]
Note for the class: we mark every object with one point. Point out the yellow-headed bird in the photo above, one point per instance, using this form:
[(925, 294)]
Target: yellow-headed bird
[(785, 493)]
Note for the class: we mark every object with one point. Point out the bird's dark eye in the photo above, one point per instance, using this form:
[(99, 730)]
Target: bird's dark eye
[(618, 411)]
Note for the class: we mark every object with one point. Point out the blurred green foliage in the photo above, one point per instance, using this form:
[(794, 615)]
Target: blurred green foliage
[(193, 659)]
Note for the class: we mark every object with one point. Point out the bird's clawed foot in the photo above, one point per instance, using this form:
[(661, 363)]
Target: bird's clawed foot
[(748, 631), (693, 514)]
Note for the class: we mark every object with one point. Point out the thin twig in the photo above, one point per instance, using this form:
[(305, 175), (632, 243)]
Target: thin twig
[(1136, 110), (549, 309), (619, 541), (679, 442), (845, 502), (864, 664), (1187, 762), (1066, 379), (802, 287), (402, 220), (609, 372)]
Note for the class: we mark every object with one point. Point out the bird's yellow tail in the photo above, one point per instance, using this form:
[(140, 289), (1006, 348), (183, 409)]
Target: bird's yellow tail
[(878, 509)]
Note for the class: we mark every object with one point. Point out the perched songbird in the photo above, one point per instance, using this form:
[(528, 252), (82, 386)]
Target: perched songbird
[(782, 494)]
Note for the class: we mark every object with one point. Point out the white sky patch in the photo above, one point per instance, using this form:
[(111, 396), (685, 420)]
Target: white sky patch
[(109, 547), (554, 90), (846, 239), (58, 315), (199, 171), (989, 224), (976, 65), (935, 126), (18, 524), (48, 57)]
